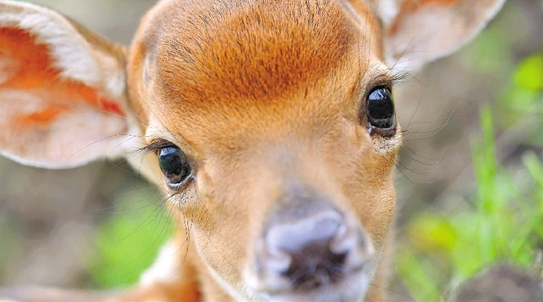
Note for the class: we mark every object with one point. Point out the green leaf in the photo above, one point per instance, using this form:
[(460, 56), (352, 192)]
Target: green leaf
[(529, 74), (129, 241)]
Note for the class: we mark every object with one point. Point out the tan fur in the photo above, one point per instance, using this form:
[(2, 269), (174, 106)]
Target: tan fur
[(297, 98), (264, 98)]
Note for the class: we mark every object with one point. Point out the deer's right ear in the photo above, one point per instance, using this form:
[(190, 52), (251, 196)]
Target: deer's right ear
[(420, 31), (63, 99)]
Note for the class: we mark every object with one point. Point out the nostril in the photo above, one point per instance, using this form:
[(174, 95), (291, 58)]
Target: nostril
[(319, 249), (295, 236), (274, 259), (344, 241)]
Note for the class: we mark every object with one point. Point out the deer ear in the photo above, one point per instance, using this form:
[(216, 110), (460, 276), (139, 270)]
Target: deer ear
[(420, 31), (63, 96)]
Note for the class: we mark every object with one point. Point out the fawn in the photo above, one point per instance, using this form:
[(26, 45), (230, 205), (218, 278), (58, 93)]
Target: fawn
[(269, 124)]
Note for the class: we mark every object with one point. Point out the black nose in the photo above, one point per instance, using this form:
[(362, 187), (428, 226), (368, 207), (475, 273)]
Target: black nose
[(313, 250)]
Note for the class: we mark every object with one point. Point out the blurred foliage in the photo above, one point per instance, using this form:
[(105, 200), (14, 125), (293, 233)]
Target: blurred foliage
[(128, 242), (522, 104), (7, 251), (502, 218), (529, 75)]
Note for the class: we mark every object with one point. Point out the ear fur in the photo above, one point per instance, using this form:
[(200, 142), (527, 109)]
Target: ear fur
[(420, 31), (63, 99)]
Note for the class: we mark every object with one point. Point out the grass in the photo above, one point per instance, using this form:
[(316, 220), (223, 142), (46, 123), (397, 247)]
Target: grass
[(129, 241), (501, 220)]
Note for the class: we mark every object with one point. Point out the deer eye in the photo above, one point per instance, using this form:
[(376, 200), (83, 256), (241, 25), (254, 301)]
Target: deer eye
[(380, 111), (174, 166)]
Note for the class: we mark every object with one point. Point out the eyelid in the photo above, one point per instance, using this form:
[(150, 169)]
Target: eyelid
[(385, 78), (158, 144), (154, 146), (381, 81)]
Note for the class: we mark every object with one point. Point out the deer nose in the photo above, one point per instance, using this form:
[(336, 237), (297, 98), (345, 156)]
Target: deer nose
[(313, 250), (296, 236)]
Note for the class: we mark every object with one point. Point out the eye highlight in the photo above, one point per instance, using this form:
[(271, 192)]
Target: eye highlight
[(380, 111), (174, 166)]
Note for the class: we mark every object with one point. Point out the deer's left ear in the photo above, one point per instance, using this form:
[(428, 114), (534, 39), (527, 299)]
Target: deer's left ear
[(420, 31), (63, 99)]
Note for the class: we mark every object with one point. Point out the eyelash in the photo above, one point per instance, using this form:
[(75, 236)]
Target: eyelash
[(155, 146), (395, 79), (398, 77)]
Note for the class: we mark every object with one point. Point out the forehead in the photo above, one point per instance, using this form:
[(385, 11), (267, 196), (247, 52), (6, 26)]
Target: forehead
[(216, 59)]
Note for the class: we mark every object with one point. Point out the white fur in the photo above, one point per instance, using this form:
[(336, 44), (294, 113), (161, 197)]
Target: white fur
[(87, 134), (387, 10), (166, 267), (373, 264), (114, 146), (71, 54), (229, 288), (116, 84), (7, 69)]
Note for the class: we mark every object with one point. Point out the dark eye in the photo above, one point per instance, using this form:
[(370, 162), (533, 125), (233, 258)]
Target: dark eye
[(380, 110), (174, 166)]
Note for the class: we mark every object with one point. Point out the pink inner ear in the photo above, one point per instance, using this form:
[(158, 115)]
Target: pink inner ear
[(45, 116), (410, 6), (416, 4), (35, 72)]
